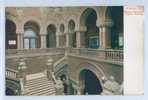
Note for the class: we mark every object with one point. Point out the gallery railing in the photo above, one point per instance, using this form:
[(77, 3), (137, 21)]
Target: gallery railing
[(102, 54), (34, 51), (11, 73)]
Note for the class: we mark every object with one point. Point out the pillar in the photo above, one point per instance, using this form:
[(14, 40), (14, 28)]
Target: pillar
[(57, 41), (105, 33), (80, 39), (43, 41), (19, 41), (68, 40), (105, 37), (80, 36)]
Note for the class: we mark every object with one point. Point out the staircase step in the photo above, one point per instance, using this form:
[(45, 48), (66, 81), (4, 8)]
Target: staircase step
[(39, 85), (42, 91), (36, 88), (38, 79), (36, 83), (35, 76)]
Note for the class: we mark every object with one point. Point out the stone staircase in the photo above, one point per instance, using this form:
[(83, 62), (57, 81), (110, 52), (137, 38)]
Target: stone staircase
[(38, 85)]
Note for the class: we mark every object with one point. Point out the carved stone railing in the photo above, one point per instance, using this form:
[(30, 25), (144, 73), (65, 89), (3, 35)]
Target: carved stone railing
[(36, 51), (114, 55), (58, 85), (11, 73), (103, 54)]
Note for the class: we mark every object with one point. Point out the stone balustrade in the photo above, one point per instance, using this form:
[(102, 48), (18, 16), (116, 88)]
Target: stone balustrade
[(104, 54), (36, 51), (11, 73)]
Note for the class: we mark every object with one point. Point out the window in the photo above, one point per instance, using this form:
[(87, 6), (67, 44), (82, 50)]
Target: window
[(29, 39)]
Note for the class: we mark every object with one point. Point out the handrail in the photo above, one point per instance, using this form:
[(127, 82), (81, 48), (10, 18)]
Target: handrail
[(11, 73), (35, 50), (105, 54)]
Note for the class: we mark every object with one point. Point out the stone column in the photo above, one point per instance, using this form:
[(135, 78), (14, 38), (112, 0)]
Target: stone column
[(100, 38), (19, 41), (105, 33), (43, 40), (80, 36), (68, 40), (57, 41), (80, 39)]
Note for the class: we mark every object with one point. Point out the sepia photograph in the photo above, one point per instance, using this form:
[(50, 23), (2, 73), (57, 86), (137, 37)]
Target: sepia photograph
[(64, 51)]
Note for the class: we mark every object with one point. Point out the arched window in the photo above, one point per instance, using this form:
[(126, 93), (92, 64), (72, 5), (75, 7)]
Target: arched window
[(51, 36), (88, 20), (72, 33), (11, 37), (29, 39), (31, 35)]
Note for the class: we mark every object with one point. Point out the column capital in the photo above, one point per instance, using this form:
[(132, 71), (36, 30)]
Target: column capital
[(105, 23), (20, 33), (81, 29), (42, 34)]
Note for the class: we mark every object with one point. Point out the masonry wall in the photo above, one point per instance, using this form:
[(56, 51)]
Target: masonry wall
[(34, 64), (108, 68)]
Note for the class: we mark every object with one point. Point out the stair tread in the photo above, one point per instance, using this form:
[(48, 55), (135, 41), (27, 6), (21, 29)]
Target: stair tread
[(39, 86), (37, 79), (40, 92)]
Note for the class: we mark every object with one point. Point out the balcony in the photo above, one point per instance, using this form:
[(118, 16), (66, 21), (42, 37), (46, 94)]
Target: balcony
[(107, 55), (11, 74), (10, 53)]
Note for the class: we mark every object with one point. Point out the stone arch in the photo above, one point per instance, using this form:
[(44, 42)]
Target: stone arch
[(93, 67), (88, 21), (61, 34), (85, 14), (51, 36), (11, 36), (12, 86), (54, 23), (96, 71), (33, 19), (62, 28), (31, 34), (115, 15), (71, 18), (72, 33)]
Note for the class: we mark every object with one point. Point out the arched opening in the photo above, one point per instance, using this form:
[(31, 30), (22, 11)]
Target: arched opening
[(88, 20), (51, 36), (12, 87), (116, 14), (62, 38), (11, 36), (72, 33), (9, 91), (31, 35), (89, 83)]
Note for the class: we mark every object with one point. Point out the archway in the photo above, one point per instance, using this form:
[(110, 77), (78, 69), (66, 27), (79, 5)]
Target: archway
[(51, 36), (116, 14), (62, 38), (31, 35), (11, 36), (12, 87), (88, 20), (89, 83), (72, 33), (9, 91)]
